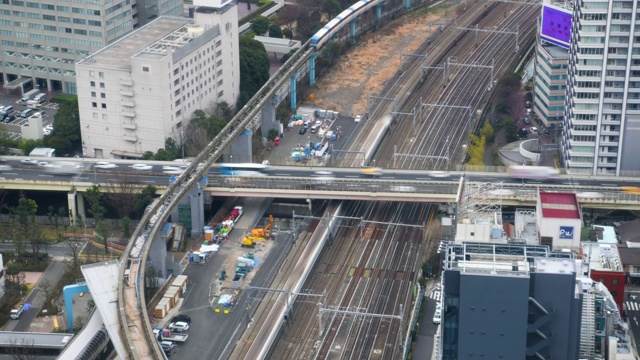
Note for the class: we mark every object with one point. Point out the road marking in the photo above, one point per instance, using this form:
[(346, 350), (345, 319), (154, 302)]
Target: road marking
[(11, 173), (283, 174), (149, 181), (423, 178), (43, 175), (387, 177), (351, 176), (632, 306), (612, 185)]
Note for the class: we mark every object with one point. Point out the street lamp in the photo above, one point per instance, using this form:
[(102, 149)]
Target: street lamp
[(182, 138)]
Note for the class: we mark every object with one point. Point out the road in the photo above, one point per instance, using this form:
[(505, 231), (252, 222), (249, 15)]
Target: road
[(632, 305), (36, 298), (425, 340)]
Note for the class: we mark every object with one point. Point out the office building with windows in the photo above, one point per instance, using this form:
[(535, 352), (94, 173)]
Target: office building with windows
[(144, 88), (602, 121), (521, 299), (42, 41)]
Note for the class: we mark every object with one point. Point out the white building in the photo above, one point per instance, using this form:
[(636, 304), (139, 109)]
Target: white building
[(42, 41), (142, 89), (602, 122), (559, 220)]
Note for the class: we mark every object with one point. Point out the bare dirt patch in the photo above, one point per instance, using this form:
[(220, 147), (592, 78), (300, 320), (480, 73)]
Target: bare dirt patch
[(366, 69)]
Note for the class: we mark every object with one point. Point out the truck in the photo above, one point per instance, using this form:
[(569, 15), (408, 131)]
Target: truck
[(167, 335), (244, 266), (15, 313), (29, 95), (237, 281), (226, 226)]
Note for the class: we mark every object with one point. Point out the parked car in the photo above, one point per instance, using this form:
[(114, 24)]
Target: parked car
[(167, 346), (314, 129), (181, 318), (29, 161), (8, 118), (437, 316), (358, 118), (526, 121), (178, 326), (303, 130), (533, 129)]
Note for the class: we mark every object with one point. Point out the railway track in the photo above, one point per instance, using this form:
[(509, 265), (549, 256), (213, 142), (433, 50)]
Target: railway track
[(379, 274)]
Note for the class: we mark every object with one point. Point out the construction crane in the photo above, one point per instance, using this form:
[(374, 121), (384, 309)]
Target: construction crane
[(250, 241), (263, 232)]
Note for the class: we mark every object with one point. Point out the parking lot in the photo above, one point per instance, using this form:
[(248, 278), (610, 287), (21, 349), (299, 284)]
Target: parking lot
[(48, 109)]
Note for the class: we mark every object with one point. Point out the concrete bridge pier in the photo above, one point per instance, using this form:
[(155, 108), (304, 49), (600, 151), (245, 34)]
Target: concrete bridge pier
[(240, 150), (269, 115), (190, 210), (75, 202), (293, 89), (352, 31), (312, 68)]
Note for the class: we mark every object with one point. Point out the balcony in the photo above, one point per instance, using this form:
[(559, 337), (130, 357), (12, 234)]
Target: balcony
[(126, 92), (130, 138), (125, 82), (129, 126), (128, 113), (128, 103)]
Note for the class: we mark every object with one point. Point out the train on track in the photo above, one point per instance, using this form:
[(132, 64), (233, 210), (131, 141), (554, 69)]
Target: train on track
[(533, 172), (327, 31)]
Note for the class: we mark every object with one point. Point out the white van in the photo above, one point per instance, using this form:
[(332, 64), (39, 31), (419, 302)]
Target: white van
[(40, 98)]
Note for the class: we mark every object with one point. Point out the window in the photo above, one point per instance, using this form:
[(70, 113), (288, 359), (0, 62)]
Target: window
[(103, 95), (63, 8), (105, 117), (48, 17), (614, 282), (101, 85), (77, 10), (93, 94), (94, 104), (93, 84), (145, 69), (48, 7), (104, 106), (100, 74), (95, 116)]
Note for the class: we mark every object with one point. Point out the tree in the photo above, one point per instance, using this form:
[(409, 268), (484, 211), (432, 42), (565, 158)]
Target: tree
[(5, 140), (65, 136), (126, 226), (287, 33), (144, 198), (94, 196), (288, 16), (121, 193), (27, 145), (24, 218), (331, 8), (260, 24), (487, 131), (275, 31), (286, 56), (102, 232), (75, 254), (254, 68), (510, 129)]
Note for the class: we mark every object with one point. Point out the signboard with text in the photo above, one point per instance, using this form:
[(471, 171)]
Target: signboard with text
[(566, 233), (556, 26)]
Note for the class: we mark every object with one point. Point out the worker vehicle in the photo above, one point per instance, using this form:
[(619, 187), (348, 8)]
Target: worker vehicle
[(250, 241), (15, 313), (244, 169), (263, 232), (533, 172), (223, 275), (372, 171)]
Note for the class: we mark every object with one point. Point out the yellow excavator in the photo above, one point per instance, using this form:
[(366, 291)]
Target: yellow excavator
[(250, 241), (264, 232)]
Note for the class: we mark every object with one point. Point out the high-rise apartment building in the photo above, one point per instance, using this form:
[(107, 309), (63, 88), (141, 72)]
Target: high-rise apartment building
[(144, 88), (602, 121), (550, 84), (42, 40)]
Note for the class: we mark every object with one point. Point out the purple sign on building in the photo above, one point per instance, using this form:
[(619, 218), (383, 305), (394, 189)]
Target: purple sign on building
[(556, 26)]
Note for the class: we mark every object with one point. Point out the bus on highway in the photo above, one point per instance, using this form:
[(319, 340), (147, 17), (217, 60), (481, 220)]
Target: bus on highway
[(249, 169)]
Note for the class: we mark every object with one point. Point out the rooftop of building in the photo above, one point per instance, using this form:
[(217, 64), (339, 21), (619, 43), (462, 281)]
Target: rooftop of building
[(629, 231), (153, 41), (600, 257), (556, 51), (630, 256), (559, 205), (525, 226), (555, 265), (502, 259), (604, 234)]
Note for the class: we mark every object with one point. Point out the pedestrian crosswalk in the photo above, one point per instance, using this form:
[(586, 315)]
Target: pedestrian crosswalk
[(631, 306), (435, 295)]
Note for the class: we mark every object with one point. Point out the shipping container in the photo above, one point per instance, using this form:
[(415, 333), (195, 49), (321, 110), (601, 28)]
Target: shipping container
[(181, 282), (208, 235), (173, 294), (162, 308)]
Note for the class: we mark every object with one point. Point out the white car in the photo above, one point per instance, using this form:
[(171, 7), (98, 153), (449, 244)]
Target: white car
[(5, 167), (104, 165), (439, 174), (29, 162), (358, 118), (437, 316), (176, 171), (141, 167), (43, 163), (178, 326), (533, 129)]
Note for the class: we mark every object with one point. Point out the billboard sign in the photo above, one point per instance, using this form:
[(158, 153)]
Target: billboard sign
[(556, 26), (566, 233)]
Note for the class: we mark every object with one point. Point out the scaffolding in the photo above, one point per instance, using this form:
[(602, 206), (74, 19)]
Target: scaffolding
[(478, 202)]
